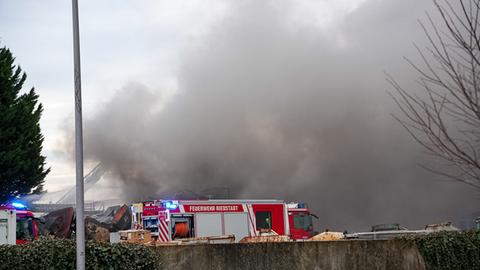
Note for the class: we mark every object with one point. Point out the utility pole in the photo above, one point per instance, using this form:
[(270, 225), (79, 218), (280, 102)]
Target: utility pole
[(79, 206)]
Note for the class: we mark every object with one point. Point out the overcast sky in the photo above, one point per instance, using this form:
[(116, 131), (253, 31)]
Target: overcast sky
[(121, 41), (284, 99)]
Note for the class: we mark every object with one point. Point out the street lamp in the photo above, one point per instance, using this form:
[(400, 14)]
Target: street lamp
[(80, 221)]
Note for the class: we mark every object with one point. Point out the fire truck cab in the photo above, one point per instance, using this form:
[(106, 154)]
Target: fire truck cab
[(26, 226), (300, 221), (169, 220)]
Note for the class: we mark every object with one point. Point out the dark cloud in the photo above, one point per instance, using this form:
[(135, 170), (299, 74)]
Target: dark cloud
[(270, 109)]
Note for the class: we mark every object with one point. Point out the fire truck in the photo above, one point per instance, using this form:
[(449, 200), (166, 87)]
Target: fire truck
[(26, 224), (169, 220), (300, 221)]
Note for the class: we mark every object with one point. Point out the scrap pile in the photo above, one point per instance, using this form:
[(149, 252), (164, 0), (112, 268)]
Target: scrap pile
[(114, 219), (61, 223)]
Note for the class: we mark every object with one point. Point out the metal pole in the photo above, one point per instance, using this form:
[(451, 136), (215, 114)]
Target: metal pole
[(80, 228)]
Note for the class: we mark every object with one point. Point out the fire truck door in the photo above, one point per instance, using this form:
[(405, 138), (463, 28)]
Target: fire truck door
[(208, 224), (236, 224)]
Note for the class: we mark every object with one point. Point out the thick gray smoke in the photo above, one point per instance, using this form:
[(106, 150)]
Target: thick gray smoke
[(272, 109)]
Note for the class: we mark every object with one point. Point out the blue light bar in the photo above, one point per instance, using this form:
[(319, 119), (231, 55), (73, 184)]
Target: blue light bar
[(19, 205), (171, 205)]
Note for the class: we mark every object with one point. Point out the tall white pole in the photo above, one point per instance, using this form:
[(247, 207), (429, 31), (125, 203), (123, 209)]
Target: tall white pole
[(80, 228)]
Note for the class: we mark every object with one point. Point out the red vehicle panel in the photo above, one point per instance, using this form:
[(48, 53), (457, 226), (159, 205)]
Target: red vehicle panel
[(270, 213)]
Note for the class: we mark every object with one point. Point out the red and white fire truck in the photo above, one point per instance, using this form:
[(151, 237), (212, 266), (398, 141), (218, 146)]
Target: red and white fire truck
[(168, 220), (25, 222)]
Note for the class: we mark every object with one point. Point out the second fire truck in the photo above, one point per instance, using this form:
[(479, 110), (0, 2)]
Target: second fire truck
[(169, 220)]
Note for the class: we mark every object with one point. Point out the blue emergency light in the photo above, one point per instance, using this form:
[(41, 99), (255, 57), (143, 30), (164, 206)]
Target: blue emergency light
[(19, 205), (171, 205)]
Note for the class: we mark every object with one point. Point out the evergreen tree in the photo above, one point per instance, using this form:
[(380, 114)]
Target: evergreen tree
[(22, 166)]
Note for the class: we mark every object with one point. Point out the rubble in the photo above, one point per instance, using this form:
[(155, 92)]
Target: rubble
[(115, 218), (58, 224), (61, 223), (95, 230), (328, 236), (98, 227)]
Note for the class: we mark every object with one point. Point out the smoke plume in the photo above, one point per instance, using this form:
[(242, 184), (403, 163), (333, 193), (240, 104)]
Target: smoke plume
[(268, 107)]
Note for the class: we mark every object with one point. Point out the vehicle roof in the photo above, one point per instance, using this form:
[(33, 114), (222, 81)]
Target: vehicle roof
[(298, 209), (227, 201)]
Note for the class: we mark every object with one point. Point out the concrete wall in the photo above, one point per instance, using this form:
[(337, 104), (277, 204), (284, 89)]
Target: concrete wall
[(348, 255)]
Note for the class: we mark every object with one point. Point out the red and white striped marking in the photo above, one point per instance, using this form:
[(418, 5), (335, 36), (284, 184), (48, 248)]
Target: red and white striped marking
[(163, 226), (163, 232), (251, 219)]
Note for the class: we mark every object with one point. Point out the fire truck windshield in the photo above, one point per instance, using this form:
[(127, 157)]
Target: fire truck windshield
[(25, 228), (303, 221)]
